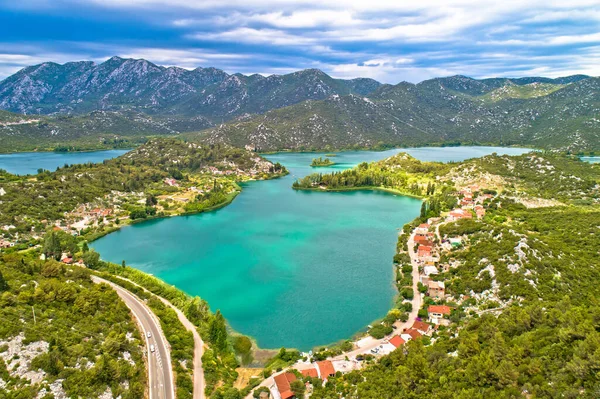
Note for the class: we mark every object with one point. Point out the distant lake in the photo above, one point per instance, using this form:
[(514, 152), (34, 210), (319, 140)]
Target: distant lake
[(24, 163), (591, 159), (289, 268)]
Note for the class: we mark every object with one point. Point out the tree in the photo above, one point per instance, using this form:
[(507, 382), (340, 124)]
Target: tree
[(123, 264), (52, 248), (298, 388), (424, 210), (91, 259), (3, 283), (85, 247), (151, 200), (257, 392), (217, 332)]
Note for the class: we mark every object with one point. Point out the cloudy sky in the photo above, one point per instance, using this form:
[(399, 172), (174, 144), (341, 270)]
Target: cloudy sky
[(388, 40)]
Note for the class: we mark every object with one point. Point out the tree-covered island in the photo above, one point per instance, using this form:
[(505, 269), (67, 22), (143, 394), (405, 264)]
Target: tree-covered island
[(321, 162)]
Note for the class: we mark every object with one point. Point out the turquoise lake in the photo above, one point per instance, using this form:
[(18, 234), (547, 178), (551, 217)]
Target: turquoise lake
[(24, 163), (289, 268), (591, 159)]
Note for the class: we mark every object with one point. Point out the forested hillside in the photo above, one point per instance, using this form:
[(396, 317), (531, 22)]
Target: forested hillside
[(63, 336), (438, 111)]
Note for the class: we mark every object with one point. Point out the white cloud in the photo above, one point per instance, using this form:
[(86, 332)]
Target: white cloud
[(256, 36)]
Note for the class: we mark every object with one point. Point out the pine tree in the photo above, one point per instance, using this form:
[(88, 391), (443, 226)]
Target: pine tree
[(3, 283), (52, 248), (217, 332), (424, 210)]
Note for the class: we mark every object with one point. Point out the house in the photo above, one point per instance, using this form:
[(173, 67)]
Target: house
[(421, 327), (68, 261), (409, 334), (283, 382), (394, 343), (480, 211), (436, 289), (466, 203), (430, 269), (325, 369), (6, 244), (311, 372), (423, 240), (397, 341), (458, 214), (422, 229), (171, 182), (424, 251), (437, 313)]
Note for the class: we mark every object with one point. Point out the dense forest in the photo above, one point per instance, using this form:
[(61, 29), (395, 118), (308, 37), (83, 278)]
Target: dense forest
[(400, 172)]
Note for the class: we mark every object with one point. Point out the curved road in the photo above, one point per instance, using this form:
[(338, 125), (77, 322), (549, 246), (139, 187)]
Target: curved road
[(160, 373), (199, 383)]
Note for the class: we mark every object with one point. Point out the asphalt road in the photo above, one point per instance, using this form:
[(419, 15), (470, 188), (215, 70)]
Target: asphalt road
[(160, 373)]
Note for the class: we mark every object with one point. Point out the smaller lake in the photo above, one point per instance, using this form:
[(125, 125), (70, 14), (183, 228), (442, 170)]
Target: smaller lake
[(591, 159), (24, 163)]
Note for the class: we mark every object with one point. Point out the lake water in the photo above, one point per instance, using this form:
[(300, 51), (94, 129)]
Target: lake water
[(591, 159), (289, 268), (24, 163)]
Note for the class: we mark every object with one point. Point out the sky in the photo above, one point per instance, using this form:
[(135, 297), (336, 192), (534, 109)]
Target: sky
[(388, 40)]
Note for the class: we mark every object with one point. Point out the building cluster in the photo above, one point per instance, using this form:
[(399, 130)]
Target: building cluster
[(83, 216), (228, 168), (429, 246), (281, 389), (4, 243)]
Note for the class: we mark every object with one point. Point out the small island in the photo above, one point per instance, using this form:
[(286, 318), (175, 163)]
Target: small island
[(321, 162)]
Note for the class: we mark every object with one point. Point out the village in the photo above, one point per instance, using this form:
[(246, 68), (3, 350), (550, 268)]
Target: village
[(425, 249), (166, 198)]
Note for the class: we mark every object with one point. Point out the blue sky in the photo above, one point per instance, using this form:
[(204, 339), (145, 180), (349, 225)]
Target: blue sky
[(388, 40)]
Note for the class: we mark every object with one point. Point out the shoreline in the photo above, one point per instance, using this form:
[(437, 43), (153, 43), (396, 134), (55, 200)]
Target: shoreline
[(54, 151), (380, 149), (365, 188), (216, 207)]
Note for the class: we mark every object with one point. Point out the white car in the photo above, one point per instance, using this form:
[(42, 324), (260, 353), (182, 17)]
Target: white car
[(149, 334), (152, 348)]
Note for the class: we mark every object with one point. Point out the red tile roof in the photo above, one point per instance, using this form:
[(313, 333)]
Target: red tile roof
[(422, 240), (283, 382), (312, 372), (443, 309), (414, 334), (326, 368), (420, 326), (397, 341), (424, 250)]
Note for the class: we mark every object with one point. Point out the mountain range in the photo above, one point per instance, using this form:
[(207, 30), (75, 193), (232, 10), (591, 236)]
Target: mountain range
[(120, 99), (558, 114), (117, 84)]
